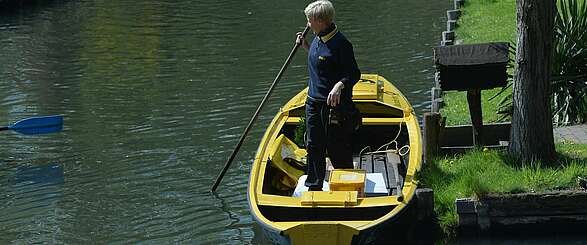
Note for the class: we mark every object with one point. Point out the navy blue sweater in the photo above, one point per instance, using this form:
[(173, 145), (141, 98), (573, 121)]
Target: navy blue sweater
[(330, 60)]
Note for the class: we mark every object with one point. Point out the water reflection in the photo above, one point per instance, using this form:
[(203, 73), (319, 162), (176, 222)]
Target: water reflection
[(30, 201), (155, 96)]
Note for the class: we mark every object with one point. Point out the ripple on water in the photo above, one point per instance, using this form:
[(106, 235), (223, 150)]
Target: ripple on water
[(156, 95)]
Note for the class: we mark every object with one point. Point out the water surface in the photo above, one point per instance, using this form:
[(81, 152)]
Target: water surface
[(155, 95)]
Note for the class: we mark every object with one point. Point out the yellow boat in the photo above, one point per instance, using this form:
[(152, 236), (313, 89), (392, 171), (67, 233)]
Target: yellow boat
[(387, 147)]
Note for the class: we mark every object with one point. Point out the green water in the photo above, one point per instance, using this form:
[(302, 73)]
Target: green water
[(155, 96)]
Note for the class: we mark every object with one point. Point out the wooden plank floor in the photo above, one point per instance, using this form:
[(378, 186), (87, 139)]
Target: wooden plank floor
[(384, 163)]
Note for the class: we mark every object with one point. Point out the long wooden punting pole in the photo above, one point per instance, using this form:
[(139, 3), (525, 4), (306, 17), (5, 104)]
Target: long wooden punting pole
[(244, 135)]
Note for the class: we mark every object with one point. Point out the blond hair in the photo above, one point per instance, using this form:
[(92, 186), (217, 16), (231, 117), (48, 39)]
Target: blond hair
[(321, 10)]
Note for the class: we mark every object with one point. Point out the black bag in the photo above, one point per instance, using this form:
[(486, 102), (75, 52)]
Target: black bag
[(349, 119), (356, 119)]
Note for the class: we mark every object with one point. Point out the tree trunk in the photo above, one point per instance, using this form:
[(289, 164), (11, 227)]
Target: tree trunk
[(531, 133)]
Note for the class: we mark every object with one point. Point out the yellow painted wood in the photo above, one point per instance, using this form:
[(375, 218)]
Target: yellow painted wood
[(285, 201), (281, 146), (321, 233), (375, 93), (367, 90), (366, 120), (348, 180), (329, 198)]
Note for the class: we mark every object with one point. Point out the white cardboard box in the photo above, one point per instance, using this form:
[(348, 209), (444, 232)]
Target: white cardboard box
[(374, 185)]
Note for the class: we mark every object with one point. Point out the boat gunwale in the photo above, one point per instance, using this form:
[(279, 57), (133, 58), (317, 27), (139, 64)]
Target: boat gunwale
[(257, 174)]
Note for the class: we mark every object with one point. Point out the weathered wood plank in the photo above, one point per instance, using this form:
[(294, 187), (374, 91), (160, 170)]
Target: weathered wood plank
[(499, 211), (532, 204)]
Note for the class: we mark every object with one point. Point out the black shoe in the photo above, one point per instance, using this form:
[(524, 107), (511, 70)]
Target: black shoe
[(315, 188)]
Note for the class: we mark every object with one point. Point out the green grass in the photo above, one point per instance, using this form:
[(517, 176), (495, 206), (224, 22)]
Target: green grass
[(483, 171), (487, 21), (481, 21), (456, 109)]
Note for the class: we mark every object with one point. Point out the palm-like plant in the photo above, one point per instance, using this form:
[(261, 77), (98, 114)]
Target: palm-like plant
[(569, 66), (569, 70)]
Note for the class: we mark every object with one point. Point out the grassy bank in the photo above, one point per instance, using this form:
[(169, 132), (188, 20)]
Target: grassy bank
[(482, 171), (481, 21), (489, 171)]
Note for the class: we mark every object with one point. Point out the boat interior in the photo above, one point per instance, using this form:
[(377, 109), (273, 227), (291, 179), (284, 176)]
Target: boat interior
[(381, 152), (380, 147)]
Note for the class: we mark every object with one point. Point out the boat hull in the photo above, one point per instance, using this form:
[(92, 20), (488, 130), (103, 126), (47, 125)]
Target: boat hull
[(369, 220), (400, 229)]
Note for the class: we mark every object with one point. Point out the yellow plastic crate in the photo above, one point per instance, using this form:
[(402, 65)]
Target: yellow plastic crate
[(329, 198), (348, 180), (368, 89)]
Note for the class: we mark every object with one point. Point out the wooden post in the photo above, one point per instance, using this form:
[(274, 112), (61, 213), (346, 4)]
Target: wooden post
[(435, 99), (448, 36), (431, 135), (425, 204), (458, 3), (436, 93), (450, 25), (446, 43), (474, 101), (466, 211), (453, 14)]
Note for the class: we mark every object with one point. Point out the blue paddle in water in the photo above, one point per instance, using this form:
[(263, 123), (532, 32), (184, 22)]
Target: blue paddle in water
[(37, 125)]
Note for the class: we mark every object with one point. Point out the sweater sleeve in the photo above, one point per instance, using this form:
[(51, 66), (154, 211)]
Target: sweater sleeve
[(350, 70)]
